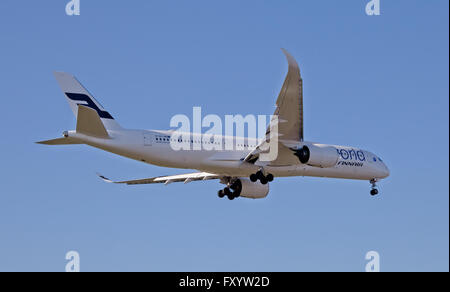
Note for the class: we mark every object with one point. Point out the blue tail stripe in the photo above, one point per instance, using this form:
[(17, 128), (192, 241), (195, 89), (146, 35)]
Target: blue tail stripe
[(89, 103)]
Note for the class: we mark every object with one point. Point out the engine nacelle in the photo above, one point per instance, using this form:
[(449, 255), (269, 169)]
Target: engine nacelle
[(248, 189), (318, 155)]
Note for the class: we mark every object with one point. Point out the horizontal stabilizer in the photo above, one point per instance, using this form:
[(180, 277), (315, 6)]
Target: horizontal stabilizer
[(60, 141), (89, 123)]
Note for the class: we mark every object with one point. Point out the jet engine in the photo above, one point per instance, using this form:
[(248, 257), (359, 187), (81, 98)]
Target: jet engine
[(318, 156), (244, 187)]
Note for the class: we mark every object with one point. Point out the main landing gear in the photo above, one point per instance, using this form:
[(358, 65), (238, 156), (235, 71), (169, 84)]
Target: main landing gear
[(264, 179), (374, 190), (233, 191)]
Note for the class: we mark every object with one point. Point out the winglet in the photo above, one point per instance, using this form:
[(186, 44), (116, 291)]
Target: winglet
[(291, 60), (105, 179)]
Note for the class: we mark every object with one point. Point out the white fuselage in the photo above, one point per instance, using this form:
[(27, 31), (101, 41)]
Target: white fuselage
[(154, 147)]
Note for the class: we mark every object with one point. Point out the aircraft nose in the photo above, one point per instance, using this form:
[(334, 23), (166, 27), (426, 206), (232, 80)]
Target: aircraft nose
[(385, 171)]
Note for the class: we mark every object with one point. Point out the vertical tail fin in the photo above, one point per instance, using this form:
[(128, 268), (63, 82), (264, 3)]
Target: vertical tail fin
[(77, 95)]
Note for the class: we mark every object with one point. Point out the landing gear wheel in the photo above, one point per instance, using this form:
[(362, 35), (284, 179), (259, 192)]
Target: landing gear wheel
[(227, 192), (221, 194), (231, 197), (260, 175), (374, 190)]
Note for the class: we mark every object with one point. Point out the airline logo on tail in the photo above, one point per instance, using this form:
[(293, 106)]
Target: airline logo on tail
[(78, 97)]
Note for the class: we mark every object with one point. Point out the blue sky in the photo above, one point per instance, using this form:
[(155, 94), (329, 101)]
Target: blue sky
[(379, 83)]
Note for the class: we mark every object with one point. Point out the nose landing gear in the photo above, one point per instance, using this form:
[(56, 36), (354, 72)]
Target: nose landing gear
[(264, 179), (374, 190)]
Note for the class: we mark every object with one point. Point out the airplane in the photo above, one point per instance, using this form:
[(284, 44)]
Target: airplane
[(242, 171)]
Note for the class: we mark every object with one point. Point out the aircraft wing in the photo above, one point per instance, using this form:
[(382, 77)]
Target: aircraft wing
[(186, 178), (287, 123), (290, 104)]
